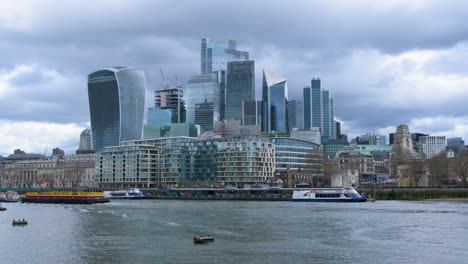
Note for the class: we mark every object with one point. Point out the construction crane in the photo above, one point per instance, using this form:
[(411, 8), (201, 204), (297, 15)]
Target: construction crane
[(165, 85), (45, 150)]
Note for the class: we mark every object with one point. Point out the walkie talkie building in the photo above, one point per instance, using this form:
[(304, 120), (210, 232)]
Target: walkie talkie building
[(116, 103)]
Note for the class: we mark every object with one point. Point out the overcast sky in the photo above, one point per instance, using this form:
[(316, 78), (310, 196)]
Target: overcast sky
[(385, 63)]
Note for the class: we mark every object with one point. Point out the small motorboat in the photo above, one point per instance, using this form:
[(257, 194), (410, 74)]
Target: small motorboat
[(203, 239), (19, 222), (2, 208)]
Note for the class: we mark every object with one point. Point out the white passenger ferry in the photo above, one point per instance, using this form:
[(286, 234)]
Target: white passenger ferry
[(348, 194), (124, 194)]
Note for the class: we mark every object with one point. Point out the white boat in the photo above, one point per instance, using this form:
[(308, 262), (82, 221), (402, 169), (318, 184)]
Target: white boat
[(124, 194), (348, 194), (10, 197)]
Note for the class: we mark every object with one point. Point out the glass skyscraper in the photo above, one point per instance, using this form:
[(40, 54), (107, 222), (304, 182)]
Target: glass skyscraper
[(319, 110), (295, 114), (251, 112), (215, 54), (204, 88), (240, 86), (275, 98), (204, 116), (116, 102), (307, 108)]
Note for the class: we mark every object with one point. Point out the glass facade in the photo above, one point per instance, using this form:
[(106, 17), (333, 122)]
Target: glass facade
[(157, 116), (295, 114), (204, 116), (307, 110), (326, 131), (316, 103), (319, 110), (240, 86), (116, 102), (275, 98), (295, 154), (251, 112), (203, 88), (215, 54)]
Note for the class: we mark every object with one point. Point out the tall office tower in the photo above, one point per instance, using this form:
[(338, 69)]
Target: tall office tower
[(204, 116), (116, 102), (204, 88), (275, 103), (251, 112), (215, 54), (307, 107), (172, 99), (240, 86), (338, 128), (319, 110), (432, 145), (221, 77), (332, 124), (295, 114), (86, 143)]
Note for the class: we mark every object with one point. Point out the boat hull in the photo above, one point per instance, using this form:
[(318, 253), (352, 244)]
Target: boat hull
[(9, 201), (127, 198), (65, 197), (64, 200), (359, 200)]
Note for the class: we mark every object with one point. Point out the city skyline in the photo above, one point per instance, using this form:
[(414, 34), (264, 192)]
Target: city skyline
[(414, 74)]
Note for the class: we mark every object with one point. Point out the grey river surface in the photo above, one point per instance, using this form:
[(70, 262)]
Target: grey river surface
[(156, 231)]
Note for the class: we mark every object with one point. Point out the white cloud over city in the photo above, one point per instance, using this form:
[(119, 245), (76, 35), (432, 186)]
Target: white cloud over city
[(385, 63)]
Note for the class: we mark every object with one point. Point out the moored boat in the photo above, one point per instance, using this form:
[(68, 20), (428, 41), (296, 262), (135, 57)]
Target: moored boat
[(10, 197), (348, 194), (124, 194), (66, 197)]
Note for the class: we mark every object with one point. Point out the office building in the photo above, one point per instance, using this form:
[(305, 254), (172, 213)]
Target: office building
[(158, 116), (311, 135), (204, 88), (240, 86), (295, 114), (215, 54), (275, 102), (455, 142), (171, 99), (319, 109), (432, 145), (204, 113), (251, 112), (116, 102), (172, 130)]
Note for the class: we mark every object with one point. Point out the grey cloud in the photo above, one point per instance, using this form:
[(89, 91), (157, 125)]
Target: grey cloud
[(308, 39)]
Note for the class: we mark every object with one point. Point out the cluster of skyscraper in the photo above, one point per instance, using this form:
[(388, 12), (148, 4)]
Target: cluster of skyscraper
[(219, 100)]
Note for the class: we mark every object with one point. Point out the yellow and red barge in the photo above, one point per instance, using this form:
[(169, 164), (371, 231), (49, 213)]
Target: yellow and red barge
[(66, 197)]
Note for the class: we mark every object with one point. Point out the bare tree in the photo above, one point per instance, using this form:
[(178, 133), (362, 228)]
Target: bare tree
[(409, 167), (459, 166), (438, 169)]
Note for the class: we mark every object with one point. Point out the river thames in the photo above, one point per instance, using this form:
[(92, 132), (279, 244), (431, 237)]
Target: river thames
[(157, 231)]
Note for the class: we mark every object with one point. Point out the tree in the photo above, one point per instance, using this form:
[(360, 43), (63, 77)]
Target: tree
[(438, 169), (409, 167), (459, 167)]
